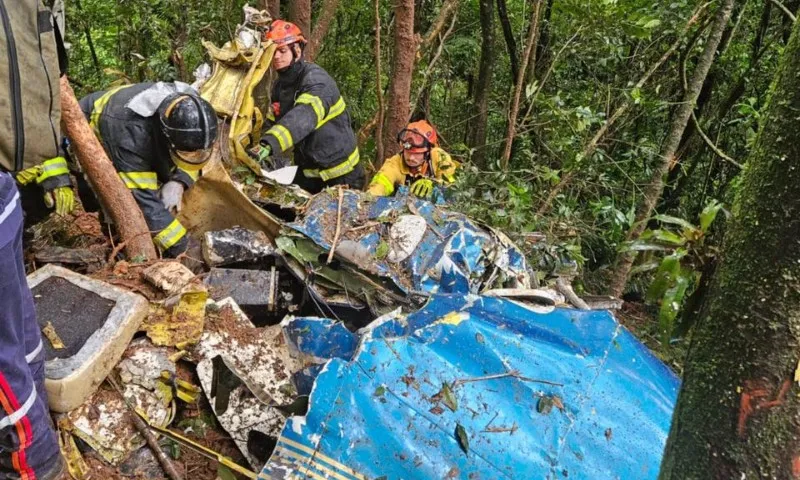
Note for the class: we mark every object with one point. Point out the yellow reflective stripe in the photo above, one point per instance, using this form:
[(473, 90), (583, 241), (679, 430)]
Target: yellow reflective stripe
[(140, 180), (319, 455), (337, 171), (283, 135), (309, 462), (170, 235), (336, 110), (99, 106), (193, 174), (193, 169), (315, 103), (53, 168), (383, 180)]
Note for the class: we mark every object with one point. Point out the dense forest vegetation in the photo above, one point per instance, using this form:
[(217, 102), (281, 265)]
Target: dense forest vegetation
[(608, 156)]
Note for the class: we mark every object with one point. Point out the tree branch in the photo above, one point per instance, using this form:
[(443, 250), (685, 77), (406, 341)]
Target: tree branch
[(590, 147), (378, 85), (530, 47), (785, 10), (432, 63), (508, 34), (439, 22), (321, 27)]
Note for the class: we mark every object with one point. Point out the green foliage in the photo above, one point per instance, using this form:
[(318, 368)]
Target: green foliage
[(683, 246), (591, 55)]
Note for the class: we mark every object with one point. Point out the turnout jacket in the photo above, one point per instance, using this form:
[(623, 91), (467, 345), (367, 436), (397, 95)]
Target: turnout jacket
[(31, 58), (395, 172), (141, 156), (311, 116)]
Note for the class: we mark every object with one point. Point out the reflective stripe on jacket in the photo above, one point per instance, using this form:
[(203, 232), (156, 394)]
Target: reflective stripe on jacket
[(395, 172), (312, 118)]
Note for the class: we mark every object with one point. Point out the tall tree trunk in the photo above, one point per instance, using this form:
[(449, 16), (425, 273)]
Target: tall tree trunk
[(508, 34), (273, 7), (652, 192), (321, 28), (691, 145), (402, 70), (530, 48), (483, 88), (300, 15), (738, 413), (378, 86), (543, 48), (115, 197), (90, 42)]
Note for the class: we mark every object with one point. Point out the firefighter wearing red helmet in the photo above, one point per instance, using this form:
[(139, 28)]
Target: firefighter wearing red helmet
[(309, 117), (420, 164)]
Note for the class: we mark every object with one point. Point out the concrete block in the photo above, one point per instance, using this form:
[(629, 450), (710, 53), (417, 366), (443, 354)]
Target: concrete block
[(95, 320)]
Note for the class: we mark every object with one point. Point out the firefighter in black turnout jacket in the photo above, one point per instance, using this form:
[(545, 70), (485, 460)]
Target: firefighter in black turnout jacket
[(158, 136), (310, 116)]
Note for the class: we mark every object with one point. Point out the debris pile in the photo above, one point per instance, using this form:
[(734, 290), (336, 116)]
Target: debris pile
[(328, 330)]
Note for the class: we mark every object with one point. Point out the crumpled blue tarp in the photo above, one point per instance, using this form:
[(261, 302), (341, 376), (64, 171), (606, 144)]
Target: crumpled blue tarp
[(455, 255), (377, 408)]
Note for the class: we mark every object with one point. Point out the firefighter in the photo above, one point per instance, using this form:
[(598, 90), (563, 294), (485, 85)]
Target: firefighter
[(29, 151), (309, 116), (420, 165), (158, 136)]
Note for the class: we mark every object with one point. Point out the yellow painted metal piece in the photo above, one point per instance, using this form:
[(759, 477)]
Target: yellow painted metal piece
[(454, 318), (78, 469), (50, 332), (184, 327)]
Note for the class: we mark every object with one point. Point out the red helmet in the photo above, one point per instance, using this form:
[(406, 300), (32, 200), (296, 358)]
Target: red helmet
[(418, 137), (285, 33)]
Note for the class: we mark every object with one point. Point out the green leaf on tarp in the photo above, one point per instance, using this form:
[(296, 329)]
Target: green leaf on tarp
[(225, 473), (545, 405), (461, 437), (448, 397), (709, 214), (380, 391), (665, 276), (382, 250), (292, 247)]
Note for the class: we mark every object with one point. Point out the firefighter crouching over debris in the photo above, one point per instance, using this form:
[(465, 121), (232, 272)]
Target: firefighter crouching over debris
[(158, 136), (420, 164), (311, 116), (29, 142)]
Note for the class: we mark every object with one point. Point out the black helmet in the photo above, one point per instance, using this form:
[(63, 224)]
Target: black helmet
[(188, 122)]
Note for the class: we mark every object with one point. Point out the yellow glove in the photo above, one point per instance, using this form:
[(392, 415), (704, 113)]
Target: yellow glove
[(29, 175), (422, 188), (63, 198), (53, 176)]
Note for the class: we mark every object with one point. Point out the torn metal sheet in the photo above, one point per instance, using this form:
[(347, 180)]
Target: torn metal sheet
[(234, 245), (260, 358), (104, 422), (454, 255), (481, 387)]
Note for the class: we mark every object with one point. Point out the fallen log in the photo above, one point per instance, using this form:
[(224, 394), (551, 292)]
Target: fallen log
[(113, 194)]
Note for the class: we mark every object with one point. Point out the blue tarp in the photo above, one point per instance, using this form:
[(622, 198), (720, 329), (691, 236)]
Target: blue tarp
[(455, 255), (574, 395)]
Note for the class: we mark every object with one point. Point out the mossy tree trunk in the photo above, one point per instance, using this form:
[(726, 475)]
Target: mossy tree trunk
[(738, 413)]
